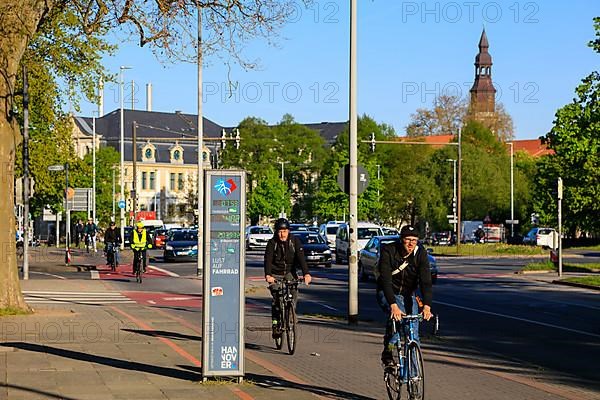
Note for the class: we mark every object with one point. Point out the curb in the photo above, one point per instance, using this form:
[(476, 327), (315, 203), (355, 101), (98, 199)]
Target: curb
[(534, 272), (579, 285)]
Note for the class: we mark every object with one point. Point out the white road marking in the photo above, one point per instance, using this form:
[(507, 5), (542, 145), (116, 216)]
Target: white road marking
[(178, 298), (151, 301), (520, 319), (164, 271), (50, 297), (323, 305), (45, 273)]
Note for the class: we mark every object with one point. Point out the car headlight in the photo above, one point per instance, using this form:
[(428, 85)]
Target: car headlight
[(195, 247), (327, 252), (168, 247)]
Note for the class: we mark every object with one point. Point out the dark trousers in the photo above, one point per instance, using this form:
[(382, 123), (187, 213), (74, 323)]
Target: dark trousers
[(276, 291), (135, 252)]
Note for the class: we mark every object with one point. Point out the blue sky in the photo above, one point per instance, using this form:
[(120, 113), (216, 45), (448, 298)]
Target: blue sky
[(408, 53)]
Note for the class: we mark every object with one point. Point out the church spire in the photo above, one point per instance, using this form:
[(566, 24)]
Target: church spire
[(483, 93)]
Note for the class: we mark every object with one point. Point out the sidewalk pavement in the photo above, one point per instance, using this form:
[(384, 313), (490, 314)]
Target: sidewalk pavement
[(130, 351)]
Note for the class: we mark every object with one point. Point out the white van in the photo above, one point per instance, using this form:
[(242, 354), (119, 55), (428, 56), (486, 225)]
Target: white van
[(328, 232), (366, 231)]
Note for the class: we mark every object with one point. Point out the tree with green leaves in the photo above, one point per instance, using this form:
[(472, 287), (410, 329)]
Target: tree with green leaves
[(330, 201), (162, 24), (269, 197), (575, 140), (290, 146)]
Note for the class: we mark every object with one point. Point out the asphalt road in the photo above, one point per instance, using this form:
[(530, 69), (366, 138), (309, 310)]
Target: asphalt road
[(487, 312)]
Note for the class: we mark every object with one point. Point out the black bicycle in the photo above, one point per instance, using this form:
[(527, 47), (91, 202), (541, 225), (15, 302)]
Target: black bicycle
[(138, 265), (408, 362), (111, 255), (287, 319)]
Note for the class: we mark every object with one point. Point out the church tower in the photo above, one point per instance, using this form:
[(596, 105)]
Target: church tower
[(483, 93)]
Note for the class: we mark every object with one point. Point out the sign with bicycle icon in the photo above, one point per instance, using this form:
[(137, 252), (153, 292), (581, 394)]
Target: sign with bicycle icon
[(223, 278)]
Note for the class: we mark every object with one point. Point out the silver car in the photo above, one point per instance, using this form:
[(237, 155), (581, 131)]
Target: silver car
[(368, 257)]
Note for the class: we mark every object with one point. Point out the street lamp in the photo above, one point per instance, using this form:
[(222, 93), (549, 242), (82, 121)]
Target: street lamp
[(94, 167), (122, 150), (283, 180), (512, 193), (453, 161)]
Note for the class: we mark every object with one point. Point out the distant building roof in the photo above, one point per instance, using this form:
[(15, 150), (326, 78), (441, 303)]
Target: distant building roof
[(533, 147)]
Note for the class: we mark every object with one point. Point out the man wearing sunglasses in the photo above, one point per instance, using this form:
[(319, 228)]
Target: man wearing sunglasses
[(403, 267)]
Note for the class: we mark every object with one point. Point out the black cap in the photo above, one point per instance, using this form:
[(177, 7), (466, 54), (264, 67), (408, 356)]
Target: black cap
[(282, 223), (409, 230)]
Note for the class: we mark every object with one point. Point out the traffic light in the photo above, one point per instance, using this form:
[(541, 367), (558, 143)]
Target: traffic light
[(372, 142)]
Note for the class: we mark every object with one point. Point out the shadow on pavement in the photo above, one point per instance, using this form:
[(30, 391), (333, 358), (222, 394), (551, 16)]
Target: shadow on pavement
[(112, 362), (275, 383), (171, 335), (47, 395)]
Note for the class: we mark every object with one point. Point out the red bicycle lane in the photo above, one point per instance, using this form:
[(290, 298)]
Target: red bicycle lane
[(125, 271)]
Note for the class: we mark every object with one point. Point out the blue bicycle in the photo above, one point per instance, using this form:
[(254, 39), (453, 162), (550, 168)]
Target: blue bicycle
[(407, 368)]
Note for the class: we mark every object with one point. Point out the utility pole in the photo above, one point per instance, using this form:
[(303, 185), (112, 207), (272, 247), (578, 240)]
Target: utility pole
[(353, 149), (134, 185), (25, 175)]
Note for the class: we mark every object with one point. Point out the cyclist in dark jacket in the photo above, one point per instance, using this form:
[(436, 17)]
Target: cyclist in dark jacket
[(404, 267), (112, 239), (283, 255)]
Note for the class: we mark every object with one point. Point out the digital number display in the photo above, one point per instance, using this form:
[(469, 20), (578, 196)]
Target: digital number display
[(226, 203)]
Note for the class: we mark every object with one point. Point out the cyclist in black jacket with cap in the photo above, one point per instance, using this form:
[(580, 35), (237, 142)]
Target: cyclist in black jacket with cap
[(404, 267), (283, 255)]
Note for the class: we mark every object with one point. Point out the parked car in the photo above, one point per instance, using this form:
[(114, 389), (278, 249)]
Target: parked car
[(368, 258), (181, 245), (328, 231), (365, 231), (547, 238), (257, 237), (442, 239), (390, 231), (315, 229), (299, 227), (316, 250), (160, 237)]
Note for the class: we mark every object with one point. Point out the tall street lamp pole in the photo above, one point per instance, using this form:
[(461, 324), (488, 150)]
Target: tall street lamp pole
[(512, 193), (113, 194), (94, 168), (122, 151), (283, 180), (453, 161)]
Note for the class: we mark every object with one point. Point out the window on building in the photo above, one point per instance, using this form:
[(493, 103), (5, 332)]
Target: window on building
[(152, 179), (172, 182), (144, 178), (180, 181)]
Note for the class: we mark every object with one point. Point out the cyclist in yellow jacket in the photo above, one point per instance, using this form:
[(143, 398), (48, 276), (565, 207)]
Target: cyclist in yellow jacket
[(140, 241)]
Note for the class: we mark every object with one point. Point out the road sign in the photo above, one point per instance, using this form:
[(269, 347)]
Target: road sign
[(512, 222), (453, 221), (121, 203), (343, 179), (56, 168), (451, 216), (223, 278)]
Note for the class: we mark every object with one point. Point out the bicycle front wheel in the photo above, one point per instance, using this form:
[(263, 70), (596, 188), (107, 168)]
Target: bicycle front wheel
[(290, 328), (415, 373), (392, 375)]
